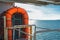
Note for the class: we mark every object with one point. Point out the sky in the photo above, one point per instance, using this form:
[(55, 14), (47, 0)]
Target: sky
[(48, 12)]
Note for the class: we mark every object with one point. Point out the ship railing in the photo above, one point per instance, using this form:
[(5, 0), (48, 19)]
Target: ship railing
[(16, 27), (41, 30), (46, 30)]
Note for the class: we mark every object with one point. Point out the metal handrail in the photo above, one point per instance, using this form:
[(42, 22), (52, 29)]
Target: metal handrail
[(40, 31)]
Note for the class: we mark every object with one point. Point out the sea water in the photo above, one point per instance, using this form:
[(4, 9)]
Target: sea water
[(50, 24)]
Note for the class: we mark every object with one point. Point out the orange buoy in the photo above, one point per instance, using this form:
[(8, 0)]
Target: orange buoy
[(9, 15)]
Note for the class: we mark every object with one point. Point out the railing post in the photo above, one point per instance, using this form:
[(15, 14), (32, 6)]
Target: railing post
[(5, 29), (35, 33)]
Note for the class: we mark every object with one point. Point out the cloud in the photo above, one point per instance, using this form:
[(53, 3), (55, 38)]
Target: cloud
[(41, 12)]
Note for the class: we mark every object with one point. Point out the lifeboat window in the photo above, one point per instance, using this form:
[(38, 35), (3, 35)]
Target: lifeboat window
[(17, 19)]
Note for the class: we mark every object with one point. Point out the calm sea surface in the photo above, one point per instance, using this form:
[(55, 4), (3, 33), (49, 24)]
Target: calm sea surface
[(50, 24)]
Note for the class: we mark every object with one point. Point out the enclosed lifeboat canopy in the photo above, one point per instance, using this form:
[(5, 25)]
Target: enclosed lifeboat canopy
[(16, 16)]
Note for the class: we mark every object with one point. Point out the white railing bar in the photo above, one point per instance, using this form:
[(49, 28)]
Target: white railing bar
[(25, 33)]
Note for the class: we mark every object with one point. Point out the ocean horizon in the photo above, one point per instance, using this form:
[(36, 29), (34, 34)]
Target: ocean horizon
[(49, 24)]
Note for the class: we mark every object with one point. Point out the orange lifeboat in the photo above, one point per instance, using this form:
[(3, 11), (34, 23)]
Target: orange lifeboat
[(19, 12)]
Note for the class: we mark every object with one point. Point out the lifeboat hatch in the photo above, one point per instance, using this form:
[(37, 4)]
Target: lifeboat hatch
[(17, 19)]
